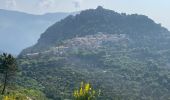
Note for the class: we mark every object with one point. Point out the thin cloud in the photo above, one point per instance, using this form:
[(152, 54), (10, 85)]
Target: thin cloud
[(47, 4), (77, 3), (11, 4)]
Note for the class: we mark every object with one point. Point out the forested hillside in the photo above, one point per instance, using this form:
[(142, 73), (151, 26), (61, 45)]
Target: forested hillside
[(124, 56)]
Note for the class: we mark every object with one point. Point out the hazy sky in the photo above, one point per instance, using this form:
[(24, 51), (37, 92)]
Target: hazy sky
[(155, 9)]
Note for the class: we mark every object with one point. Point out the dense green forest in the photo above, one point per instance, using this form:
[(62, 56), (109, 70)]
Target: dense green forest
[(123, 57)]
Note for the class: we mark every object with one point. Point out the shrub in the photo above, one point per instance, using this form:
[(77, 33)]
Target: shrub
[(85, 92)]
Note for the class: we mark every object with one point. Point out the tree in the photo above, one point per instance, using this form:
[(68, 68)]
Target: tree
[(8, 66)]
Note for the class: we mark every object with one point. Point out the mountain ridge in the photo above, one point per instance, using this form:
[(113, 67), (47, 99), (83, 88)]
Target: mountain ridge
[(22, 29), (125, 56), (111, 23)]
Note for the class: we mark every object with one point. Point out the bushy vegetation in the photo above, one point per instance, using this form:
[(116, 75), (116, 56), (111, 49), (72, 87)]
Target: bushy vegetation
[(132, 65), (8, 68), (85, 92), (121, 75), (20, 93), (95, 21)]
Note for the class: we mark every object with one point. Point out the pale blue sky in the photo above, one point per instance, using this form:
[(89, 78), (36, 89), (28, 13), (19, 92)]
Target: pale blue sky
[(155, 9)]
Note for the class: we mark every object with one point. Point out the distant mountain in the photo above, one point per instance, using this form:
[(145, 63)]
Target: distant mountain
[(20, 30), (95, 21), (127, 57)]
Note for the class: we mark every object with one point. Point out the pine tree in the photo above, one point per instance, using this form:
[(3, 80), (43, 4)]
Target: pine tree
[(8, 66)]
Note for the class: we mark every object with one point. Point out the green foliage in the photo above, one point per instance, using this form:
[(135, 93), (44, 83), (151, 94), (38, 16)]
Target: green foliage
[(20, 93), (132, 65), (85, 92), (8, 67), (94, 21), (7, 63), (121, 75)]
